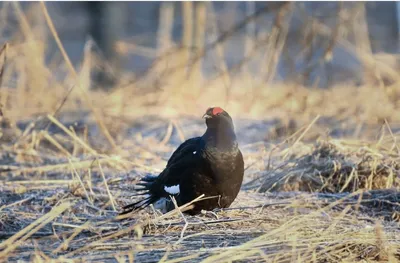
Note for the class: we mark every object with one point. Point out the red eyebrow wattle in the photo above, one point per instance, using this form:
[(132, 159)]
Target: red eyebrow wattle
[(217, 110)]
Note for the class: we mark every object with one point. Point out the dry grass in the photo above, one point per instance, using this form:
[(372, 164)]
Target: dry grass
[(337, 166), (322, 169)]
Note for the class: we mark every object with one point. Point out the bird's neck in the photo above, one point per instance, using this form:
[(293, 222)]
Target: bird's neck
[(223, 138)]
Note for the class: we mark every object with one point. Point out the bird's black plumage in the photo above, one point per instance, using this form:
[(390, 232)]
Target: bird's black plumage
[(211, 165)]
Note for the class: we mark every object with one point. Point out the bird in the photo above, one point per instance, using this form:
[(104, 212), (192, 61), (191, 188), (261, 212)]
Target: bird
[(211, 165)]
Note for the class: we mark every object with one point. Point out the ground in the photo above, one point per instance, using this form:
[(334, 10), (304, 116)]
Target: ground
[(59, 207)]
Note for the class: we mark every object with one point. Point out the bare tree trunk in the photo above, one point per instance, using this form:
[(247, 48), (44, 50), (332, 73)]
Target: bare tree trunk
[(200, 35), (165, 26), (107, 19), (250, 32), (187, 37)]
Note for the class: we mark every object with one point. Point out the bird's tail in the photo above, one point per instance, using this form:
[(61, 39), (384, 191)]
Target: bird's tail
[(145, 190)]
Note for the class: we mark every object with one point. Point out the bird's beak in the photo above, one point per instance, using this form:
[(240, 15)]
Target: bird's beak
[(206, 116)]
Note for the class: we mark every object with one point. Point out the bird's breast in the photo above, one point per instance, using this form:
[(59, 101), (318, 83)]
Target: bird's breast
[(223, 164)]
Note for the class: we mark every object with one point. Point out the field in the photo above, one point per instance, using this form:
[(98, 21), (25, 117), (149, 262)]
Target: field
[(322, 165)]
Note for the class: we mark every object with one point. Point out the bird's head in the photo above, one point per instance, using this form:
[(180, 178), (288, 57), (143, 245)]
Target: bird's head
[(216, 116)]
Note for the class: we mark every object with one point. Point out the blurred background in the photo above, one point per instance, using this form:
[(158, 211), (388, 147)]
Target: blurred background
[(311, 43), (311, 38), (281, 60)]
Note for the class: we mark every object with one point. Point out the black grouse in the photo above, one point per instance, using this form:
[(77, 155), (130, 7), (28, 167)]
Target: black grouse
[(211, 165)]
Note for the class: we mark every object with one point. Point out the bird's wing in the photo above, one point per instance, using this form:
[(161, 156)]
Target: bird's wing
[(185, 158), (188, 148)]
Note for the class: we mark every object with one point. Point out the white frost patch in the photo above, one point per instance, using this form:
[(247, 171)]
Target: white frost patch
[(194, 152), (173, 190)]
